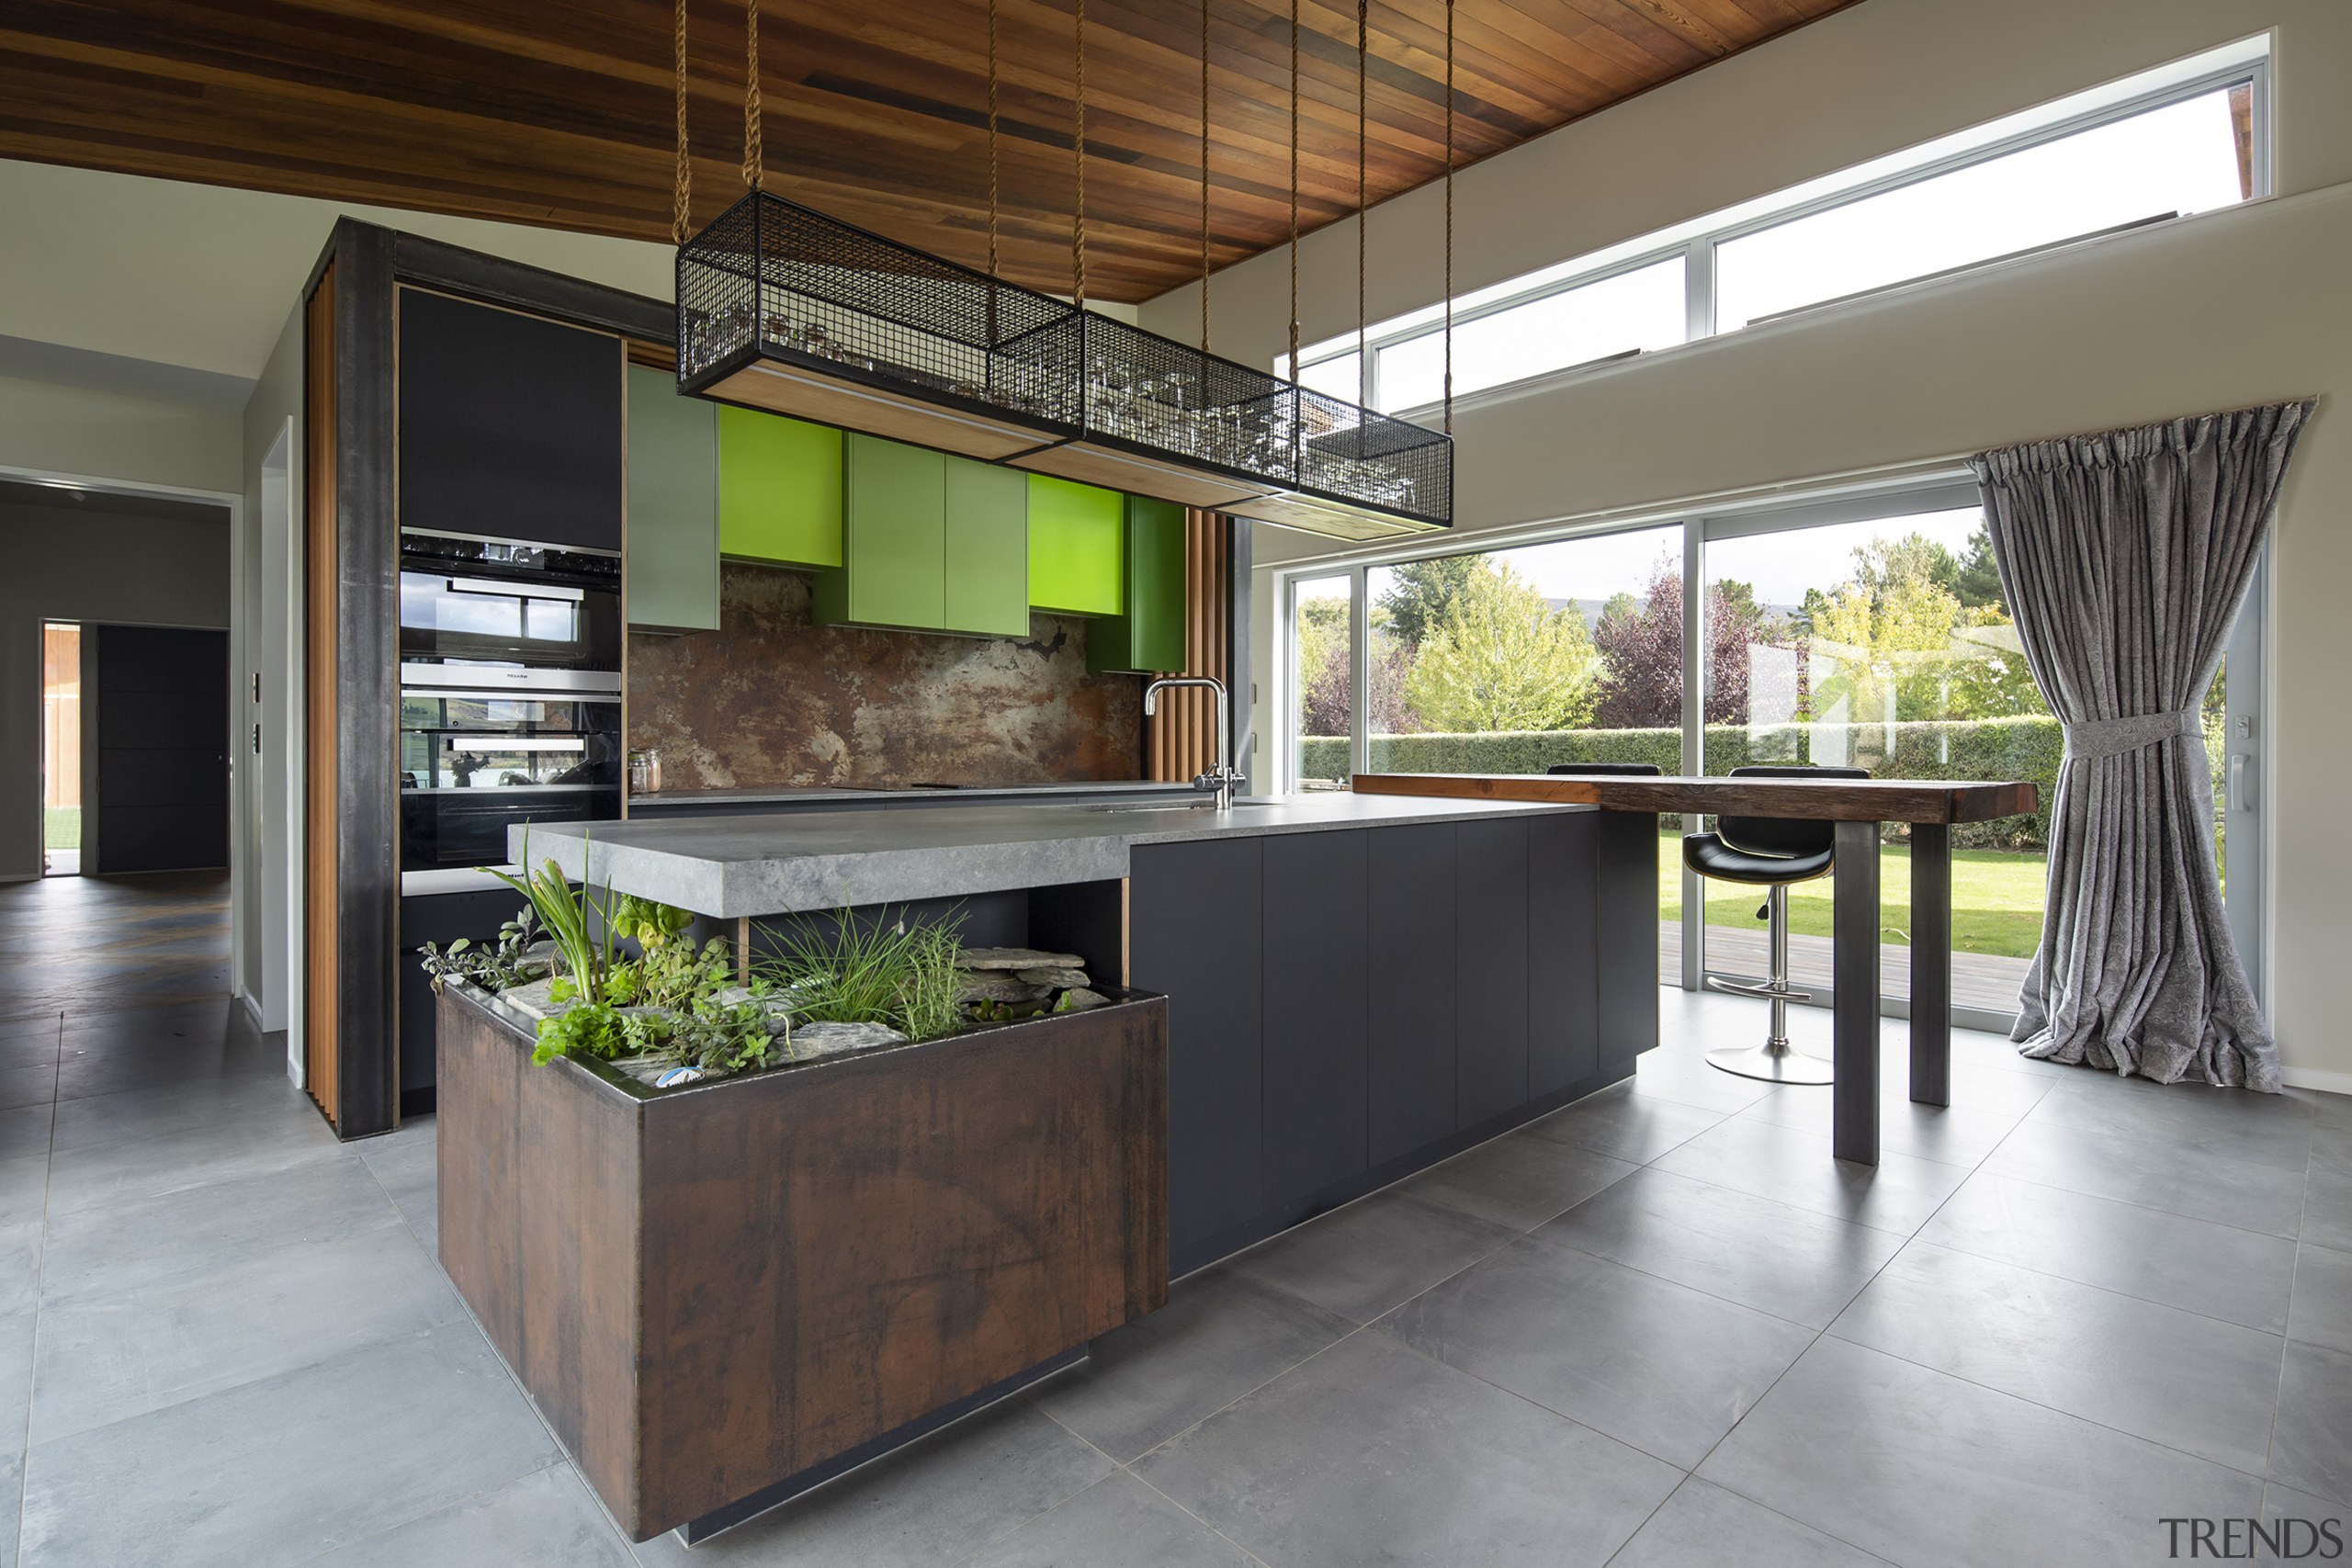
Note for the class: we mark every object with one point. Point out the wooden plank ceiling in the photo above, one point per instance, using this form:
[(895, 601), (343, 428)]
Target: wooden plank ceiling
[(561, 115)]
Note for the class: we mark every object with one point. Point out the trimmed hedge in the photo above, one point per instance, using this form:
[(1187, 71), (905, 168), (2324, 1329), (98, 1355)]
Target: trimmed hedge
[(2024, 748)]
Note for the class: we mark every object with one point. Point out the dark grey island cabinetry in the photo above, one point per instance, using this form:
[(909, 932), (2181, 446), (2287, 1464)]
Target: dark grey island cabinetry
[(1348, 1005)]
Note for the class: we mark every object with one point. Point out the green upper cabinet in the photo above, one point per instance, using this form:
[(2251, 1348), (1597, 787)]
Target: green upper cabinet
[(671, 548), (780, 485), (987, 549), (1078, 547), (929, 543), (1150, 637)]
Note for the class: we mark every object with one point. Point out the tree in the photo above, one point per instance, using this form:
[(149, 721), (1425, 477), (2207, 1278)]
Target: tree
[(1503, 659), (1979, 580), (1421, 592), (1641, 652), (1324, 694)]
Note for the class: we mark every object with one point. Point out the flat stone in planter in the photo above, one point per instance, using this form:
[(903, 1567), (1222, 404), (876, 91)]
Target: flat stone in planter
[(1016, 958)]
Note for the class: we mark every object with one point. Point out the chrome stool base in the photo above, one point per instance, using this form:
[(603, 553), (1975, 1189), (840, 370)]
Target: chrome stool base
[(1775, 1061)]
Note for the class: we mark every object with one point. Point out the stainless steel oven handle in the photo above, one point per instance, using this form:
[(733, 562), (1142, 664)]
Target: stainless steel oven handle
[(504, 590), (446, 679)]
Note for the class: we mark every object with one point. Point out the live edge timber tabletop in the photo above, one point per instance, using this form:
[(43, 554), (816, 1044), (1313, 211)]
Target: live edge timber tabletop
[(1857, 807), (1835, 800)]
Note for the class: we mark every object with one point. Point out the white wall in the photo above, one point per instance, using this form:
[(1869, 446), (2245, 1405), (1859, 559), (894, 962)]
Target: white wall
[(2245, 306)]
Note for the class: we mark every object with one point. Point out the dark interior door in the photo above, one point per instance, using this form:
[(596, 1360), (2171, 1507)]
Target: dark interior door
[(162, 800)]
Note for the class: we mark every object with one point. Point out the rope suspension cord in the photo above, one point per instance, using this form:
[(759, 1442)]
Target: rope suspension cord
[(1293, 189), (681, 199), (1364, 215), (753, 173), (1449, 216), (1204, 176), (992, 185), (1077, 146)]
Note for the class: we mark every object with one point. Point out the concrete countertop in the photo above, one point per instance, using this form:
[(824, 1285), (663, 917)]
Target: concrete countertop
[(817, 794), (784, 862)]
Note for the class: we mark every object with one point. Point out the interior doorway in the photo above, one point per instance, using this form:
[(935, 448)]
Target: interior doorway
[(61, 748)]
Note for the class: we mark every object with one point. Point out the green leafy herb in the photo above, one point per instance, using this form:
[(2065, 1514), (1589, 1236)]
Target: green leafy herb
[(901, 973)]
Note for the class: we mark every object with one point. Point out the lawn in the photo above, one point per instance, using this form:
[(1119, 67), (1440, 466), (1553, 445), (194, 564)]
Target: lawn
[(1996, 898), (61, 828)]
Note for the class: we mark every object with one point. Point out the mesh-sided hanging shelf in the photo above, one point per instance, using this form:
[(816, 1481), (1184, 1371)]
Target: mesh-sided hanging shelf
[(784, 309)]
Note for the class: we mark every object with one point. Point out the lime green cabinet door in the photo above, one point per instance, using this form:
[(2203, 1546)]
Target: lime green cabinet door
[(894, 566), (779, 488), (1150, 636), (1078, 547), (987, 549), (671, 554)]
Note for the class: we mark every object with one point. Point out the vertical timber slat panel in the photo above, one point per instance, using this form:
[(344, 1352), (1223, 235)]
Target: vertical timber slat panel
[(320, 893)]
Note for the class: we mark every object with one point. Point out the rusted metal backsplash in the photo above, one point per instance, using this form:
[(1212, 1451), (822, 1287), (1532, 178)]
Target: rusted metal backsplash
[(770, 701)]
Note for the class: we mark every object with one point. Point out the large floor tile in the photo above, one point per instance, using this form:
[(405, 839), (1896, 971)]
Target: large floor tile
[(1792, 1166), (15, 1378), (165, 1149), (937, 1502), (2179, 1181), (1221, 1334), (24, 1187), (1625, 1125), (1703, 1526), (2236, 1275), (107, 1357), (2228, 1124), (157, 1241), (1372, 1255), (2327, 1190), (2310, 1448), (280, 1470), (1931, 1471), (21, 1256), (2189, 1383), (12, 1492), (1662, 1367), (26, 1083), (89, 1067), (24, 1130), (545, 1520), (1684, 1077), (2305, 1539), (1118, 1522), (1372, 1453), (256, 1105), (1790, 1262), (2322, 1313), (1519, 1180), (1959, 1134), (410, 1177)]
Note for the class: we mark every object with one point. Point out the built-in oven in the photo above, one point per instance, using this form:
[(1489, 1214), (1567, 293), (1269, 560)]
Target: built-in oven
[(510, 695)]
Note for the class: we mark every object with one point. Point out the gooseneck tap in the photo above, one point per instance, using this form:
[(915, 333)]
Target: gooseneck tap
[(1223, 777)]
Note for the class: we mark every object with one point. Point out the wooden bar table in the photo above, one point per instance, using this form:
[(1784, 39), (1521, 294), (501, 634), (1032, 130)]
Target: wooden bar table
[(1860, 807)]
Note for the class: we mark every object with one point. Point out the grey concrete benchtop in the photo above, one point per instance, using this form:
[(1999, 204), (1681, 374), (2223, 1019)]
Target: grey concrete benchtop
[(784, 862), (825, 794)]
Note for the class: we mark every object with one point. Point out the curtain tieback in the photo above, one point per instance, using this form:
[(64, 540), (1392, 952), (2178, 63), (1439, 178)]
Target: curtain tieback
[(2113, 736)]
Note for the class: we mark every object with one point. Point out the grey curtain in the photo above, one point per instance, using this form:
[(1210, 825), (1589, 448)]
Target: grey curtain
[(2124, 557)]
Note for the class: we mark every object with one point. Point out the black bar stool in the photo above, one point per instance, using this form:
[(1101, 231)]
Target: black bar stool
[(1773, 852)]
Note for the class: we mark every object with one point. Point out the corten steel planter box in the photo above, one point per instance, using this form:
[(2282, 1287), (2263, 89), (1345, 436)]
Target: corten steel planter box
[(713, 1291)]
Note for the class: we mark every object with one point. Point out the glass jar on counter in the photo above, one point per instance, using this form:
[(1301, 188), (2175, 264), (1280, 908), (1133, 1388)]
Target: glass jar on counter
[(644, 770)]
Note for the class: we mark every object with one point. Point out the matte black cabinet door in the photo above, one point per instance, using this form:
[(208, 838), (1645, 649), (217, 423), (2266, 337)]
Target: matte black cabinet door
[(1317, 901), (1562, 976), (1492, 952), (510, 426), (1625, 854), (1195, 931), (1412, 1023)]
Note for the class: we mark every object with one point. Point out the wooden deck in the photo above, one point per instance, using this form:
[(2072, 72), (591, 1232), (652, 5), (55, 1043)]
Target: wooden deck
[(1978, 980)]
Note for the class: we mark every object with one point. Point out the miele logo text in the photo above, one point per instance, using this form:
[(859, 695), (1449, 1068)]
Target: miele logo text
[(2255, 1539)]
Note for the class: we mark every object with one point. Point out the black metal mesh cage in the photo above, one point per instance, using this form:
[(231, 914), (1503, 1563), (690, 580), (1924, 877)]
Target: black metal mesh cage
[(774, 276), (1389, 465), (769, 278)]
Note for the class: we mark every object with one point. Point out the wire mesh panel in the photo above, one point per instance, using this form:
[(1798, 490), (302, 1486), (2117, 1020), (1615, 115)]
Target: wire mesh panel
[(1178, 402), (775, 278), (1389, 465)]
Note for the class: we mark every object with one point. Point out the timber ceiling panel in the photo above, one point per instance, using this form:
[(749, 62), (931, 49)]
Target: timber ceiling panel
[(561, 114)]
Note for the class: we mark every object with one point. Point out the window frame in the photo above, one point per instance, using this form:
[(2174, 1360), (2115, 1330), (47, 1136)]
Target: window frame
[(1698, 250)]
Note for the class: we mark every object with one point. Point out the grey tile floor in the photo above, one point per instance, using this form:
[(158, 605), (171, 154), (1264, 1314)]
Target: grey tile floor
[(1659, 1327)]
